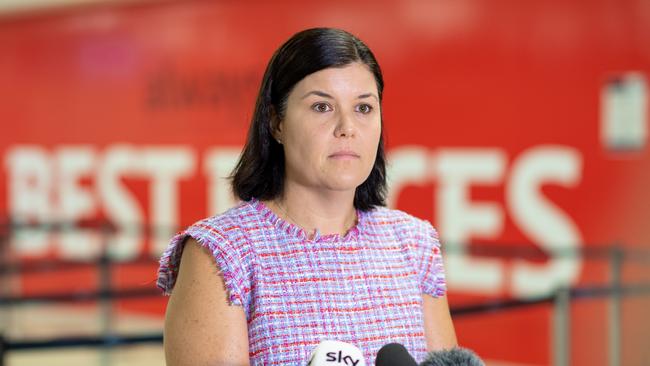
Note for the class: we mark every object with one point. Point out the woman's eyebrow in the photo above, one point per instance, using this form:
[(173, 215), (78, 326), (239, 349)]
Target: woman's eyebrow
[(325, 95), (368, 95), (319, 93)]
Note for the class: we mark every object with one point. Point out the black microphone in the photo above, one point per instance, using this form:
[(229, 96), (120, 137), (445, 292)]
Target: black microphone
[(394, 354), (456, 356)]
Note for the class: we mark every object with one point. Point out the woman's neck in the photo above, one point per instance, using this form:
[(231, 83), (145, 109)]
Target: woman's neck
[(329, 213)]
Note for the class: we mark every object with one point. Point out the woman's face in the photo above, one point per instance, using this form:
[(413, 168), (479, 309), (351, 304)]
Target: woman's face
[(331, 129)]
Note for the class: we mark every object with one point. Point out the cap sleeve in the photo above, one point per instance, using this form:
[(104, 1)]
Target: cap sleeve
[(430, 262), (228, 257)]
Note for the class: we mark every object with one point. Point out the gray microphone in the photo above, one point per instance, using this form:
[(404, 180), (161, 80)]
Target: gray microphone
[(456, 356)]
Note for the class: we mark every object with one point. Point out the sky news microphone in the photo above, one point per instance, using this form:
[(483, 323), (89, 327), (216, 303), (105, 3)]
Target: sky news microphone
[(394, 354), (456, 356), (330, 353)]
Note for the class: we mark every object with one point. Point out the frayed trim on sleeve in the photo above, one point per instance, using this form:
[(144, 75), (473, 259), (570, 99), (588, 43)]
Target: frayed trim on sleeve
[(229, 266)]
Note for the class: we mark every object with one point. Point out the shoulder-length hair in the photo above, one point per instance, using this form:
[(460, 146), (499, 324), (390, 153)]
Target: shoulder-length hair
[(259, 172)]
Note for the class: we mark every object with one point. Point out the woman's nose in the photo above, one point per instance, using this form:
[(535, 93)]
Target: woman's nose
[(345, 126)]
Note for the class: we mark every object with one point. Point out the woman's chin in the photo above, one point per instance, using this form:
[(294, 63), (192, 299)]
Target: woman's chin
[(343, 183)]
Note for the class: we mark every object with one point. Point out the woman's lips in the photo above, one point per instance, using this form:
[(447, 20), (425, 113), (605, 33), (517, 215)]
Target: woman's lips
[(344, 155)]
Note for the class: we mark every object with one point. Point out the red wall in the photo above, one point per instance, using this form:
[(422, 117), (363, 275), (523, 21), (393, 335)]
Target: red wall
[(493, 115)]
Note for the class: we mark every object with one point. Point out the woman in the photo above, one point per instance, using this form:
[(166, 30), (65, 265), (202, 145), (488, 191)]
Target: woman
[(310, 253)]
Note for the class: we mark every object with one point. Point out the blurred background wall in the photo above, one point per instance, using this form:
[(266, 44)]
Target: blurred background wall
[(518, 128)]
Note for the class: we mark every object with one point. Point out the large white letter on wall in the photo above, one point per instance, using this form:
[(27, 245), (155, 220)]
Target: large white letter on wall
[(459, 218), (29, 171), (166, 166), (218, 165), (121, 206), (406, 165), (542, 221)]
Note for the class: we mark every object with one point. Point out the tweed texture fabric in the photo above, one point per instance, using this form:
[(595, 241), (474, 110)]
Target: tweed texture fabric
[(364, 287)]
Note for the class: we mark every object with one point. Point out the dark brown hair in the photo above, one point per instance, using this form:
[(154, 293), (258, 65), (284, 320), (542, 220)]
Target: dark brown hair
[(260, 170)]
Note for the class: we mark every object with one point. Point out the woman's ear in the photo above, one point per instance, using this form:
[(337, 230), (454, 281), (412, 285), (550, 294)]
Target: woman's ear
[(275, 125)]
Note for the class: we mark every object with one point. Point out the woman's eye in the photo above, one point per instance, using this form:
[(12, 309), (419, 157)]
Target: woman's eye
[(321, 107), (364, 108)]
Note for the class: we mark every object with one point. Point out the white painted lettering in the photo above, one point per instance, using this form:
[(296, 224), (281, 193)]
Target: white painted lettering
[(217, 166), (29, 171), (542, 221), (166, 166), (460, 219)]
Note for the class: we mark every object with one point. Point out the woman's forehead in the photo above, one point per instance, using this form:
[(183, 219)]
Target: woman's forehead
[(350, 80)]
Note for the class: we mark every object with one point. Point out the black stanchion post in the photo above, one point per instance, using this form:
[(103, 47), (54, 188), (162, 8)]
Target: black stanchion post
[(105, 287), (562, 327), (2, 350), (5, 227), (614, 310)]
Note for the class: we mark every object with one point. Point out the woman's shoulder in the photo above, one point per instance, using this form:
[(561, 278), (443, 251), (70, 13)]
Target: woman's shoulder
[(230, 224), (385, 216), (225, 237), (386, 221)]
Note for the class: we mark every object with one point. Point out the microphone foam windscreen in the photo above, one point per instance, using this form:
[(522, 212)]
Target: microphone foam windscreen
[(456, 356)]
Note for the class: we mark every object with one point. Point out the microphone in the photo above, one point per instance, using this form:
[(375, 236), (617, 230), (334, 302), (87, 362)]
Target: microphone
[(329, 353), (456, 356), (394, 354)]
